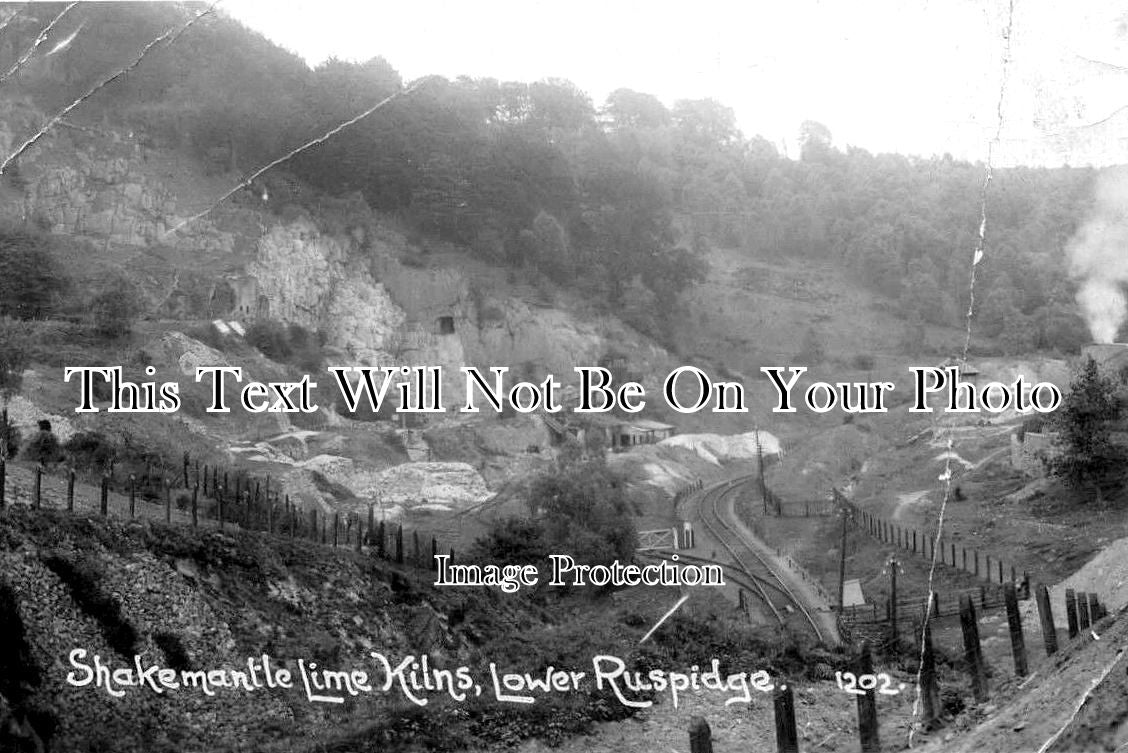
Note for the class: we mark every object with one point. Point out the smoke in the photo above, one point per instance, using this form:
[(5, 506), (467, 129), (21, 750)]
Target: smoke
[(1098, 257)]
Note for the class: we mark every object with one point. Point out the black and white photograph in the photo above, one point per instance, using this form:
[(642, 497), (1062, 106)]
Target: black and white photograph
[(593, 377)]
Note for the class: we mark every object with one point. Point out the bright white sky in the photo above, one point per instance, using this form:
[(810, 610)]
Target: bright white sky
[(915, 76)]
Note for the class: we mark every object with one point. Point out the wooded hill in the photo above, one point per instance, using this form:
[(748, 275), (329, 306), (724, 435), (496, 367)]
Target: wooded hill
[(628, 194)]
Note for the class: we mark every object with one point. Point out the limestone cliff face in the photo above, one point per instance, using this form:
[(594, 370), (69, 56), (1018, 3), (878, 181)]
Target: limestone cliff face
[(250, 259), (302, 276), (103, 185)]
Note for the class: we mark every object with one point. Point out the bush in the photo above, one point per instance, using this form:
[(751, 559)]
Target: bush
[(90, 450), (584, 512), (116, 309), (292, 344), (43, 448), (512, 541)]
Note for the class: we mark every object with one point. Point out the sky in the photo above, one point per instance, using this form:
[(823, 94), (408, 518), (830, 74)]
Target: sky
[(916, 76)]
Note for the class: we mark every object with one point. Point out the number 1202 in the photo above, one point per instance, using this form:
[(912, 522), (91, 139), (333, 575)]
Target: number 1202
[(859, 684)]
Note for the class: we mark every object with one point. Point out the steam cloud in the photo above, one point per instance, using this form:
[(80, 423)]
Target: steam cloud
[(1098, 257)]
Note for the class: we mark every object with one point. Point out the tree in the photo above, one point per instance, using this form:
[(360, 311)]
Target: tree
[(630, 109), (814, 140), (116, 308), (29, 275), (584, 512), (15, 353), (1089, 457)]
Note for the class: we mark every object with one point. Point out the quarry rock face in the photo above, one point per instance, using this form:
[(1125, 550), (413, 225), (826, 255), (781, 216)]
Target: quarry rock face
[(448, 485), (550, 338), (111, 190), (301, 276)]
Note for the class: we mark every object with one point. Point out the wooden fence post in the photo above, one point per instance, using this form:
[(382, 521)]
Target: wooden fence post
[(168, 492), (399, 544), (930, 691), (70, 490), (867, 707), (973, 652), (415, 543), (700, 736), (381, 541), (1046, 616), (187, 462), (132, 495), (37, 497), (787, 739), (1095, 608), (1014, 623), (359, 534), (336, 528), (219, 502), (894, 638), (371, 522), (1082, 612), (1071, 612), (195, 505), (3, 479)]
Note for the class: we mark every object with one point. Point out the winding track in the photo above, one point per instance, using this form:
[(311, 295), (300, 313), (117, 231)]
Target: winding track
[(744, 552)]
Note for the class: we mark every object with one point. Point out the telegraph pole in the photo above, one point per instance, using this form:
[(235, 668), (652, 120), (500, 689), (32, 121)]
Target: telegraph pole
[(845, 513), (893, 564), (760, 457)]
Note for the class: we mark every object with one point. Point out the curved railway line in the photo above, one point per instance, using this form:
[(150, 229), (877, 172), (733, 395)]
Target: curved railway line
[(749, 564), (750, 581)]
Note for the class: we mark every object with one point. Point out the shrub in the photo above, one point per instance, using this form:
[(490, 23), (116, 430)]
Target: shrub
[(90, 450), (116, 309), (43, 448), (292, 343), (511, 541)]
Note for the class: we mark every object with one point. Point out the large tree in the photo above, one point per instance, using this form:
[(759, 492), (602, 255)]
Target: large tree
[(1089, 457)]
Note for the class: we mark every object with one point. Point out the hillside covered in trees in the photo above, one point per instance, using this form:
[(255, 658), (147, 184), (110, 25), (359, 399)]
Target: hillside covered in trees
[(626, 194)]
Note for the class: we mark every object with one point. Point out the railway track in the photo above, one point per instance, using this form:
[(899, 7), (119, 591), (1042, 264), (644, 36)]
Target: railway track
[(752, 565), (732, 572)]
